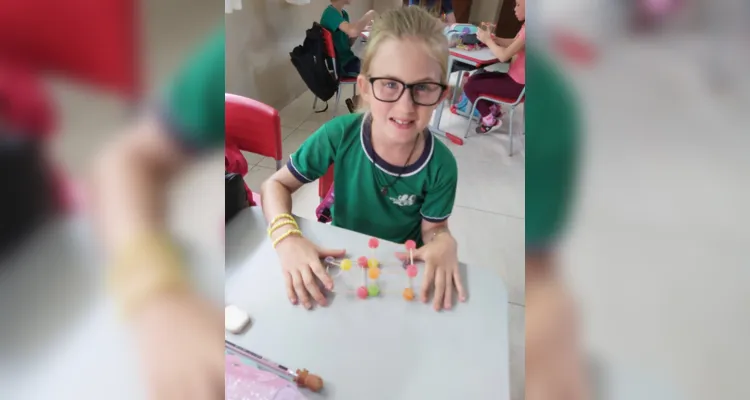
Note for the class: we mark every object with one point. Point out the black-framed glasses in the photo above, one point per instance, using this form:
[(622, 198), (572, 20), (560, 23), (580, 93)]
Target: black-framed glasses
[(390, 90)]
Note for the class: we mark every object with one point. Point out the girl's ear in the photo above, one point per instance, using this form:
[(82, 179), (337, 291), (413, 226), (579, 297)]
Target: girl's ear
[(362, 85)]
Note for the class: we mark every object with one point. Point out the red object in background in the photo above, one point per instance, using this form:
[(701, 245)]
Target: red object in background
[(252, 126), (24, 102), (325, 183), (574, 48), (235, 163), (93, 42)]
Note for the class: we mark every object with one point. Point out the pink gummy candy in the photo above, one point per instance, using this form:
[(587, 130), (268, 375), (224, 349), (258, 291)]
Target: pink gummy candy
[(244, 382), (410, 245), (411, 270), (362, 292), (362, 262), (373, 243)]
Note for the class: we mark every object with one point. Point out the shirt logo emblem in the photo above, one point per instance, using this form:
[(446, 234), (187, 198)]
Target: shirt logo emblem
[(404, 200)]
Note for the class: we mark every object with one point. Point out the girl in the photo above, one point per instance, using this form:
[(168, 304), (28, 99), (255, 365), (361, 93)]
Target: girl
[(500, 84), (393, 179), (438, 8)]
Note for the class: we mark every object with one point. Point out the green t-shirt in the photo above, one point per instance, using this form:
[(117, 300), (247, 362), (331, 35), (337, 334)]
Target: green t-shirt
[(331, 20), (426, 189), (553, 129), (194, 106)]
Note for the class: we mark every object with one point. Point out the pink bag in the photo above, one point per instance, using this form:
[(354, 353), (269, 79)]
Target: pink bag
[(244, 382)]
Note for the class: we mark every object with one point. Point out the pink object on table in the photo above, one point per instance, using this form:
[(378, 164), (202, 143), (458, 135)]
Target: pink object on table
[(244, 382), (362, 262), (411, 270), (362, 292), (373, 243), (410, 245)]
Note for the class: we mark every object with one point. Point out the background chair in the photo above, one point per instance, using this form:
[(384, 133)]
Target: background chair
[(510, 103), (92, 45), (325, 183), (253, 127), (331, 52)]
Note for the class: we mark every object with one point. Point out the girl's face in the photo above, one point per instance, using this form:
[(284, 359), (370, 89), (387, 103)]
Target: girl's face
[(520, 10), (398, 63)]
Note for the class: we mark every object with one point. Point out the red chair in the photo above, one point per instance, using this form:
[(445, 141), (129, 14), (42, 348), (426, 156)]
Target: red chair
[(94, 45), (331, 52), (253, 127), (510, 103), (325, 183)]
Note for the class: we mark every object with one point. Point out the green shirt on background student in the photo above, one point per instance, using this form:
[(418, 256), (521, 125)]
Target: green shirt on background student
[(193, 109), (552, 148)]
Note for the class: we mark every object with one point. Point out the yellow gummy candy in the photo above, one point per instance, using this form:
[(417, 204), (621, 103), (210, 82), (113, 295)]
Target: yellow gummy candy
[(372, 263), (346, 264)]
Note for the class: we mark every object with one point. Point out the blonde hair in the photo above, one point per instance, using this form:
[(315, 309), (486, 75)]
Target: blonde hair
[(408, 23)]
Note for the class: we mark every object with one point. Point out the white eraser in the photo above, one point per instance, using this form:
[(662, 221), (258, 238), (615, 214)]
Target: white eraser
[(236, 320)]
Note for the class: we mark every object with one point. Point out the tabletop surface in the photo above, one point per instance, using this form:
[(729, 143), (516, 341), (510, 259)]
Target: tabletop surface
[(65, 341), (483, 55), (380, 348)]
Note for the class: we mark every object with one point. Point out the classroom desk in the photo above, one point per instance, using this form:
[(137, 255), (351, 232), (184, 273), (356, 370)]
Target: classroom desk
[(381, 348), (61, 338)]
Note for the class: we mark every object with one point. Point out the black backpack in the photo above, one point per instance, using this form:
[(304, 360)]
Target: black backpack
[(26, 196), (313, 65)]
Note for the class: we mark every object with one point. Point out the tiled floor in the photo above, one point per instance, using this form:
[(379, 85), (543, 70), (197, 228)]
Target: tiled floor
[(488, 219)]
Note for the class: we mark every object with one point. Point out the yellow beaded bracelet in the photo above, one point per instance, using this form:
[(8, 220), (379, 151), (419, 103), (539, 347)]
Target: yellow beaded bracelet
[(148, 265), (281, 223), (286, 235), (280, 217)]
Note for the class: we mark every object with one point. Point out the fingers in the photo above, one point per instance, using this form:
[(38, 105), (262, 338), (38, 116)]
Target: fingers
[(439, 293), (459, 286), (429, 276), (448, 300), (312, 286), (319, 270), (299, 288), (290, 288), (417, 254), (331, 252)]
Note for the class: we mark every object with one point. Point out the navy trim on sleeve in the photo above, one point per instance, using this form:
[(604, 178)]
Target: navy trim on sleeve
[(435, 220), (296, 173), (176, 132)]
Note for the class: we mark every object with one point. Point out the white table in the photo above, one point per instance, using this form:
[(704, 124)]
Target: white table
[(60, 336), (381, 348)]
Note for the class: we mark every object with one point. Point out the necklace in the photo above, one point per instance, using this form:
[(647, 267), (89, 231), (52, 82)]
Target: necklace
[(384, 188)]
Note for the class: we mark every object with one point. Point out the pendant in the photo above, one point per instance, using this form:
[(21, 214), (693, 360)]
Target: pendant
[(384, 190)]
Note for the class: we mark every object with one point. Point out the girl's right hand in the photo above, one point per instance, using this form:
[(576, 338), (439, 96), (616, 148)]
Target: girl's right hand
[(300, 264)]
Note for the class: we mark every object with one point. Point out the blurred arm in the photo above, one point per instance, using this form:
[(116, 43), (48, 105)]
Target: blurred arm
[(504, 54), (130, 181)]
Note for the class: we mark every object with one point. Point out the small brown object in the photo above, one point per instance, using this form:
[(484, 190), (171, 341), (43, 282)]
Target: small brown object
[(307, 380)]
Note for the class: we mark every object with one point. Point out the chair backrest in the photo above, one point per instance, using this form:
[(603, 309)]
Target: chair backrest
[(330, 50), (252, 126), (96, 44), (325, 183), (328, 38)]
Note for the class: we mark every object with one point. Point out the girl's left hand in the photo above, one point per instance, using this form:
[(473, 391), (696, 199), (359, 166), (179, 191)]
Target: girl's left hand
[(484, 36), (441, 268)]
